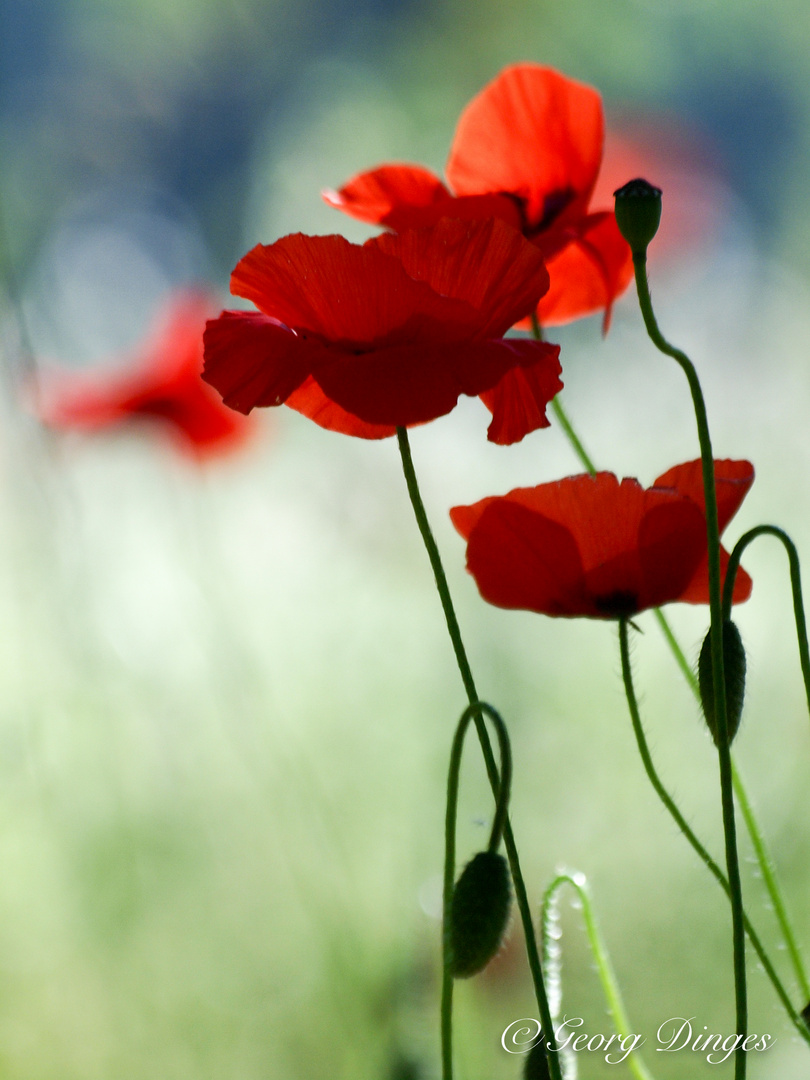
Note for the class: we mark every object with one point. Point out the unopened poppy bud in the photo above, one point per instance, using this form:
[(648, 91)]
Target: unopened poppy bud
[(734, 669), (536, 1064), (479, 913), (638, 213)]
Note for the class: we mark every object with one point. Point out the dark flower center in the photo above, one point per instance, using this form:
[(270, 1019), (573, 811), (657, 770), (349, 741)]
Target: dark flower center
[(617, 605)]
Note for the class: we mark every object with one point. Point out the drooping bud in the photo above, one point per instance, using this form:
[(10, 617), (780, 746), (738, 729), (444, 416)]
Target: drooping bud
[(734, 670), (535, 1066), (479, 913), (638, 213)]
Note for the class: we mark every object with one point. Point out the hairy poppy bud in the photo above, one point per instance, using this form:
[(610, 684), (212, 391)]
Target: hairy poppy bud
[(536, 1064), (638, 213), (479, 913), (734, 669)]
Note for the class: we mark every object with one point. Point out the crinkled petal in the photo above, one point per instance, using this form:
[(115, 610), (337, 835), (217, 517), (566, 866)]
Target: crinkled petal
[(253, 360), (487, 264), (518, 401), (345, 293), (535, 134)]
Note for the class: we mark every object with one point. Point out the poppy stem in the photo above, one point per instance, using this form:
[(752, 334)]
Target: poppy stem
[(560, 413), (521, 896), (604, 968), (718, 670), (473, 709), (680, 821)]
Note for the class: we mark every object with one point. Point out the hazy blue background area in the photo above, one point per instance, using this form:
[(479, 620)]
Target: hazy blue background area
[(226, 692)]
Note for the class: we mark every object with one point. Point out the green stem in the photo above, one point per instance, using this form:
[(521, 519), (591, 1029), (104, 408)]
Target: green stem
[(559, 412), (766, 864), (682, 824), (521, 896), (498, 820), (604, 968), (718, 672), (795, 584), (764, 861)]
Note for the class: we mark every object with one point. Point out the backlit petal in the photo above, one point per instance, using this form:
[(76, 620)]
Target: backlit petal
[(534, 133), (487, 264), (518, 401)]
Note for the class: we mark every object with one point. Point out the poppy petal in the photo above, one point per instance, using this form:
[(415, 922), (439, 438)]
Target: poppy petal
[(520, 559), (732, 479), (312, 402), (591, 267), (411, 384), (345, 293), (253, 360), (697, 591), (389, 190), (487, 264), (518, 401), (534, 133)]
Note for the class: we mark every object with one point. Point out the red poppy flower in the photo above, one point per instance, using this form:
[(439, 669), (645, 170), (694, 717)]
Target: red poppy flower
[(594, 546), (162, 383), (527, 149), (365, 339)]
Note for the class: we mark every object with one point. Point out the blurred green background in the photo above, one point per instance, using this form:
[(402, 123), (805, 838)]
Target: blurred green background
[(226, 693)]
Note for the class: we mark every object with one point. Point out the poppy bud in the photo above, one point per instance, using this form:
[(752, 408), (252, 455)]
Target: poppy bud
[(536, 1064), (479, 913), (638, 213), (805, 1014), (734, 669)]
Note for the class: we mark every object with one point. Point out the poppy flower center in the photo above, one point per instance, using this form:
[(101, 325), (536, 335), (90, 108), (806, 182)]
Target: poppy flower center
[(617, 604), (553, 205)]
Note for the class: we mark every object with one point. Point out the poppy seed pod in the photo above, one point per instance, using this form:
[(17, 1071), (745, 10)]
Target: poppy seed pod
[(734, 670), (638, 213), (479, 913), (535, 1066)]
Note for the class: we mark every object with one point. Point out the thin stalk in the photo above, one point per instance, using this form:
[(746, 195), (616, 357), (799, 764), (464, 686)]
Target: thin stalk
[(766, 865), (454, 631), (680, 821), (559, 412), (604, 968), (718, 672), (502, 804), (795, 585)]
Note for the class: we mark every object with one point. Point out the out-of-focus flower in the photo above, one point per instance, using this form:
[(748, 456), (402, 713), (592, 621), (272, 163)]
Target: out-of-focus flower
[(160, 384), (597, 547), (527, 149), (365, 339)]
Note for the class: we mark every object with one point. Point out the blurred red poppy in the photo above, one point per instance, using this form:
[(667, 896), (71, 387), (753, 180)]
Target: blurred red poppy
[(527, 149), (160, 383), (594, 546), (365, 339)]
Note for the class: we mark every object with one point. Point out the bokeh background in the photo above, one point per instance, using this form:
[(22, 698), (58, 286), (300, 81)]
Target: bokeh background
[(226, 692)]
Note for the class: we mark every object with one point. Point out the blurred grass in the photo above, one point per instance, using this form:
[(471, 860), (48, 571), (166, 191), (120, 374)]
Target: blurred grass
[(227, 698)]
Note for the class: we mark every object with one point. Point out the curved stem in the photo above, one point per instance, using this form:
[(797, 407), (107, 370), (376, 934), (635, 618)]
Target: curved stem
[(718, 672), (521, 896), (682, 824), (795, 584), (478, 707), (765, 862), (604, 968)]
